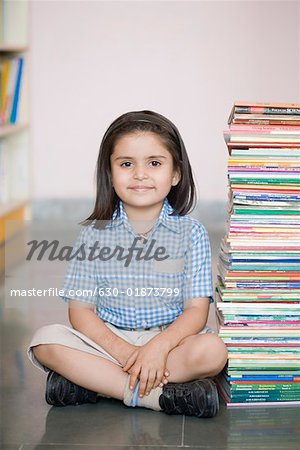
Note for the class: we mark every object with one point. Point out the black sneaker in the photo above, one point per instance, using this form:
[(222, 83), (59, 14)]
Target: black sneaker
[(61, 392), (195, 398)]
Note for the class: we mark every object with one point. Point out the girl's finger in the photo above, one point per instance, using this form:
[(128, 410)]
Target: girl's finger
[(130, 361), (143, 383), (156, 384), (158, 379), (150, 382), (133, 378), (128, 365), (163, 382)]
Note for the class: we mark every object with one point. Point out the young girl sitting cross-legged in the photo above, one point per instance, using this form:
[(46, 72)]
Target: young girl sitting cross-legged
[(140, 285)]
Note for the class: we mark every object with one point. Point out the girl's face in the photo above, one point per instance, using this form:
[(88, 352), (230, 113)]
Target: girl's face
[(142, 169)]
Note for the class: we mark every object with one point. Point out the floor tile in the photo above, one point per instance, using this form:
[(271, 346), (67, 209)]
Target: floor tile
[(94, 447), (10, 446), (249, 429), (110, 423)]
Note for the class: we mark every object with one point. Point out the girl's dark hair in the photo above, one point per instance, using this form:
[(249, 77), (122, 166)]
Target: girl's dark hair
[(181, 197)]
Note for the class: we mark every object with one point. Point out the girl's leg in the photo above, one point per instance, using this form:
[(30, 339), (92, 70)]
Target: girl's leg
[(198, 356), (89, 371)]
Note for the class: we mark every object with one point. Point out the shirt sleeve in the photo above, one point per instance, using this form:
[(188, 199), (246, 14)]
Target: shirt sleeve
[(198, 273), (81, 280)]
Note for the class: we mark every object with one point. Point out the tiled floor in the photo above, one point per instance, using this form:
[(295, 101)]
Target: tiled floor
[(29, 423)]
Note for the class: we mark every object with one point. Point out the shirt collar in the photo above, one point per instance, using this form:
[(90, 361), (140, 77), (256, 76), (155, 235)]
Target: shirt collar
[(164, 218)]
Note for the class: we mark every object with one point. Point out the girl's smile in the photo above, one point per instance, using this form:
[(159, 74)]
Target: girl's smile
[(139, 188)]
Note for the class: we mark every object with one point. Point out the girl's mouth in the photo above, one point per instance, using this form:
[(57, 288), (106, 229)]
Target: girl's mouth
[(141, 188)]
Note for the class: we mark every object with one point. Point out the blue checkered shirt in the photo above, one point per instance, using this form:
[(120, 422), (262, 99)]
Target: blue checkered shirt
[(145, 292)]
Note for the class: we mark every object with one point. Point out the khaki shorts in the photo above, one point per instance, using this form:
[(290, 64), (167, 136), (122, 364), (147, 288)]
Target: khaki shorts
[(67, 336)]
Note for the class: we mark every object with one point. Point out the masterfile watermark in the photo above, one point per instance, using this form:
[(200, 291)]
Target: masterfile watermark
[(39, 257), (51, 292), (96, 292), (105, 253)]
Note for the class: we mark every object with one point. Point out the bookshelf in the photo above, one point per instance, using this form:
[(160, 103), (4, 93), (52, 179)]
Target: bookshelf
[(14, 124)]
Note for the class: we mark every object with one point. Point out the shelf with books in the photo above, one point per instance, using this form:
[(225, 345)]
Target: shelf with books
[(14, 121)]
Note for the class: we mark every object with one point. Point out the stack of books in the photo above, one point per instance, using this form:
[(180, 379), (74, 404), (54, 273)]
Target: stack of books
[(258, 290)]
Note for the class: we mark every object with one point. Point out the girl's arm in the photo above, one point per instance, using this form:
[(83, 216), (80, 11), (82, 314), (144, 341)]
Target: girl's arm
[(190, 322), (148, 362), (83, 318)]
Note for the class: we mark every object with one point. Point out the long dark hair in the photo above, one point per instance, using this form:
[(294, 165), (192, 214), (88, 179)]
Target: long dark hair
[(181, 197)]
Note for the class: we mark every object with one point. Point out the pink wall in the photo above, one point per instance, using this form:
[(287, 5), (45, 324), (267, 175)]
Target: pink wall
[(92, 61)]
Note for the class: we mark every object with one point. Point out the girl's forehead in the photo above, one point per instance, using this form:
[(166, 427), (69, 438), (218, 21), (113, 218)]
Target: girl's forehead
[(140, 142), (132, 136)]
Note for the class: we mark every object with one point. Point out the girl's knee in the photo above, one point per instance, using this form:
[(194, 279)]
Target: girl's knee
[(218, 354), (209, 348), (45, 352), (219, 346)]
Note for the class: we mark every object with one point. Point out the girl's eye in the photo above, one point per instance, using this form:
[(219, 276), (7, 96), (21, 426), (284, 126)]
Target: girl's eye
[(153, 163)]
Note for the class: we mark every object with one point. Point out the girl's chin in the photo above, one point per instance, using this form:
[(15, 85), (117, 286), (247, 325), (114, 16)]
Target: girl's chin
[(142, 200)]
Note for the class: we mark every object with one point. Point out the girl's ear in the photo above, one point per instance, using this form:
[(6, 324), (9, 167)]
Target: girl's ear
[(176, 178)]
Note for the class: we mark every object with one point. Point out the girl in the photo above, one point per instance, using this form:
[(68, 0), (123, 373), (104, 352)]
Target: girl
[(138, 300)]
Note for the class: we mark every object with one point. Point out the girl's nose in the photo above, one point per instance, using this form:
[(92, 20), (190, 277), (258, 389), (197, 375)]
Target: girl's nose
[(140, 173)]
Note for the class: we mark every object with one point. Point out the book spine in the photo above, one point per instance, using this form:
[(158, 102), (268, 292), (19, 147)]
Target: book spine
[(260, 128), (267, 104), (263, 121), (266, 110), (14, 111)]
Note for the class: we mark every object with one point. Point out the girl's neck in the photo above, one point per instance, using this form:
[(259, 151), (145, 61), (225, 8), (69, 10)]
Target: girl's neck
[(143, 218)]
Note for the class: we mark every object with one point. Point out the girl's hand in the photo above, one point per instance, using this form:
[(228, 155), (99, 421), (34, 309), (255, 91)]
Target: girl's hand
[(148, 364), (129, 362), (127, 353)]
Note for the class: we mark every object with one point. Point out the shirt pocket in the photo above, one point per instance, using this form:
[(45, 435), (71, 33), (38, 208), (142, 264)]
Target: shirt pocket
[(169, 266)]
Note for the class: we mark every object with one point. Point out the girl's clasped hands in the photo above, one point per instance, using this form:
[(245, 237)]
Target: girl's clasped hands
[(147, 364)]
